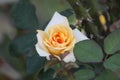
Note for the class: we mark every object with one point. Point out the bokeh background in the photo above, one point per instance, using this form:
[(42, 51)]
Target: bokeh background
[(11, 68), (19, 20)]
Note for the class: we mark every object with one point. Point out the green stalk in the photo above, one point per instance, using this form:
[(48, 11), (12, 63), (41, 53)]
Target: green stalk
[(78, 9)]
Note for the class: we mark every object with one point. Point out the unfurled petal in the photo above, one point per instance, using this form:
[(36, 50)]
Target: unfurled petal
[(78, 35), (41, 52), (41, 36), (40, 47), (69, 58), (57, 19)]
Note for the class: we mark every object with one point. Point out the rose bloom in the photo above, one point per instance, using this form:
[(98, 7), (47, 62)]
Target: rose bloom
[(58, 39)]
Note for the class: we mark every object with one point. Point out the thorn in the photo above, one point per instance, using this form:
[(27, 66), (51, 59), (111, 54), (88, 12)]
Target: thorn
[(87, 10), (77, 3), (90, 20)]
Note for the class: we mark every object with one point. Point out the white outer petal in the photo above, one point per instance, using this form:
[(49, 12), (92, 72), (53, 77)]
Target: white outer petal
[(69, 58), (40, 36), (41, 52), (57, 19), (78, 35)]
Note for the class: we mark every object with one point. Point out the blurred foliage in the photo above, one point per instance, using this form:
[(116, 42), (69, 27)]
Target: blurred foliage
[(97, 58)]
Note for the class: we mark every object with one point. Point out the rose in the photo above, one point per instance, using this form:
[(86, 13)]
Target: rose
[(58, 38)]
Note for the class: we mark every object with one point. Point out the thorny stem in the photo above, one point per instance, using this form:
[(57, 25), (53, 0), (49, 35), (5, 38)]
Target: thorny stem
[(105, 57), (78, 8), (68, 71), (72, 75)]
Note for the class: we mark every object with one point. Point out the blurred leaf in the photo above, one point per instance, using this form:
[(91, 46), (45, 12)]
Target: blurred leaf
[(98, 67), (84, 74), (23, 15), (90, 28), (112, 42), (13, 61), (34, 63), (107, 75), (113, 63), (30, 77), (93, 5), (22, 44), (7, 1), (67, 12), (48, 75), (88, 51)]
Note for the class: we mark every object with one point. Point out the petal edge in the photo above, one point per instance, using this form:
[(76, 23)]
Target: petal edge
[(69, 58), (41, 52), (79, 35), (57, 19)]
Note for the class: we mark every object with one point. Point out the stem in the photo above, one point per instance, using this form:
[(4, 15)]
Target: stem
[(72, 75), (78, 8), (106, 56)]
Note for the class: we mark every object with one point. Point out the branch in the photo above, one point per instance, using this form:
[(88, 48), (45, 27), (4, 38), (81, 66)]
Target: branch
[(78, 9)]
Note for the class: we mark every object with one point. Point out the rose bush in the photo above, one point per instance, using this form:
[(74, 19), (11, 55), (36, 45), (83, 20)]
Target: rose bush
[(97, 58), (58, 38)]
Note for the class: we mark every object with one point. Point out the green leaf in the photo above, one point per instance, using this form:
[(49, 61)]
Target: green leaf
[(48, 75), (13, 61), (112, 42), (34, 63), (98, 67), (88, 51), (23, 15), (84, 74), (67, 12), (107, 75), (22, 44), (113, 63)]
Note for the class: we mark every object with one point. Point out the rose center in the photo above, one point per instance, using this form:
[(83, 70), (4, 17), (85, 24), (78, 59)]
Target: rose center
[(59, 37)]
